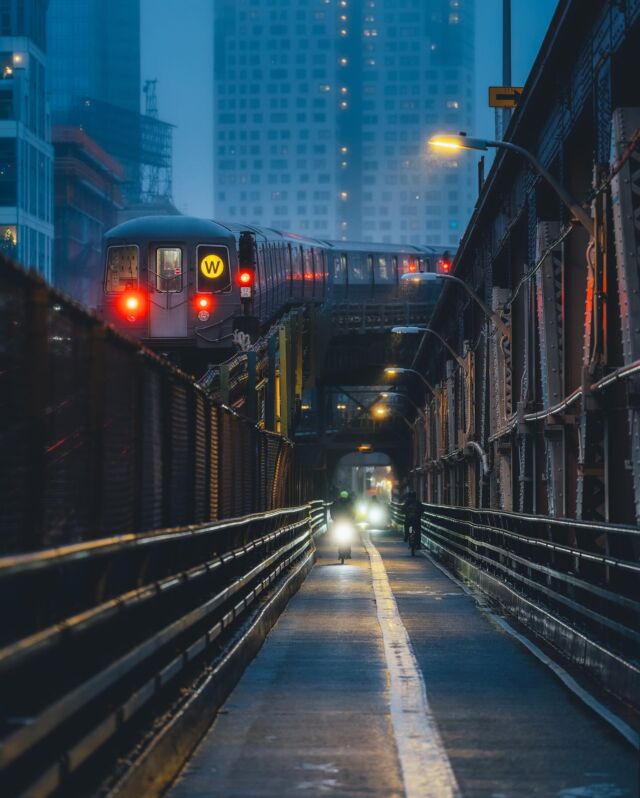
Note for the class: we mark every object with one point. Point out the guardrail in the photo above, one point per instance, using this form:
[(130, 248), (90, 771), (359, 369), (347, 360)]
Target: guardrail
[(574, 583), (103, 634)]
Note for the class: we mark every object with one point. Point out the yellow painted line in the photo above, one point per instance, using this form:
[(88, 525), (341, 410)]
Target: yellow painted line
[(426, 769)]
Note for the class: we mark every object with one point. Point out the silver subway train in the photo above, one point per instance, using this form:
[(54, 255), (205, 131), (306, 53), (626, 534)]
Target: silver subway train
[(177, 281)]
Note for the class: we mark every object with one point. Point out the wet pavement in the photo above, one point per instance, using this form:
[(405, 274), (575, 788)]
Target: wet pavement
[(317, 713)]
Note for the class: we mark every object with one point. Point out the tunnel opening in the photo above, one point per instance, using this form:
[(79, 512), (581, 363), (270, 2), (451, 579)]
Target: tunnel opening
[(365, 474)]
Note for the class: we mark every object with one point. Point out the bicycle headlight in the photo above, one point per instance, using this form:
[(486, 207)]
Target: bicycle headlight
[(343, 532)]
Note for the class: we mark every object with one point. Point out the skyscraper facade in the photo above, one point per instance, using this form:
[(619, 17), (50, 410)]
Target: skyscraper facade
[(94, 49), (95, 85), (26, 155), (323, 109)]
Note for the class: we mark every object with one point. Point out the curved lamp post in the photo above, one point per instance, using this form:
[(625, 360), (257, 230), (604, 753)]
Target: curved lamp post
[(428, 331), (396, 371), (427, 277), (416, 407), (454, 143)]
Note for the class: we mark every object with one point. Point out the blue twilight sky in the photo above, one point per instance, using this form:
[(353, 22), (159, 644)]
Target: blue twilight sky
[(177, 48)]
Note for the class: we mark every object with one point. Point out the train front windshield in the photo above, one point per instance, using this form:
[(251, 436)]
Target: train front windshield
[(122, 268)]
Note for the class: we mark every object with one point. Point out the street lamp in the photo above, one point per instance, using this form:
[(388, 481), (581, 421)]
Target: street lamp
[(382, 411), (427, 330), (455, 143), (416, 407), (427, 277), (396, 371)]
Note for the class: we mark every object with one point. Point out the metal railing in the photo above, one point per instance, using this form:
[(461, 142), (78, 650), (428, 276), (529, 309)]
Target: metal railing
[(575, 583), (103, 633)]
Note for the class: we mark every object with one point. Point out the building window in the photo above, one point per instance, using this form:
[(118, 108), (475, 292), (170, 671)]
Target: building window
[(8, 240), (8, 190)]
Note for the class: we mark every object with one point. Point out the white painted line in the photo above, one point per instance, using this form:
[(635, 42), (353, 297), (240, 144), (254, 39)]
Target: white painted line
[(425, 766), (597, 706)]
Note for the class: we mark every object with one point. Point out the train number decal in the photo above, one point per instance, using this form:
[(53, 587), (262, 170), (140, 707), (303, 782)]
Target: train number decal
[(214, 274)]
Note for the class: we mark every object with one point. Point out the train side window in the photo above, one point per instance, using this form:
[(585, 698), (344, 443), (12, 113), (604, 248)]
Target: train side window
[(408, 265), (358, 270), (308, 264), (122, 268), (340, 270), (384, 271), (394, 268), (168, 276)]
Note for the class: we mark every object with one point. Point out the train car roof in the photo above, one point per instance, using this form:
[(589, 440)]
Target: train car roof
[(168, 227), (271, 234), (180, 227), (373, 246)]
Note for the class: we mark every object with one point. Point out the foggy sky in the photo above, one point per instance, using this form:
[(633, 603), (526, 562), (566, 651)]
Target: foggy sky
[(177, 49)]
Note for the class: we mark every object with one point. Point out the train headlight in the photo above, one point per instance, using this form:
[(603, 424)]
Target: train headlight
[(132, 305), (203, 305)]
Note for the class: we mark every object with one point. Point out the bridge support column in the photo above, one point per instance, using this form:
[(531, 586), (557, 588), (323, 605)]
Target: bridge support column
[(270, 391), (625, 200)]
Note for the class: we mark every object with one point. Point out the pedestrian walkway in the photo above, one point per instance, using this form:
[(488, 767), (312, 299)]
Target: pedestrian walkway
[(323, 708)]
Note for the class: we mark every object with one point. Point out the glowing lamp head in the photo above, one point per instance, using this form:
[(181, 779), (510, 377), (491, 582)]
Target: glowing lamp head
[(445, 143), (448, 142), (391, 372)]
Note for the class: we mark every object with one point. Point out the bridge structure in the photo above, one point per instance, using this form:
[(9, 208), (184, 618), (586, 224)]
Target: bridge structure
[(175, 619)]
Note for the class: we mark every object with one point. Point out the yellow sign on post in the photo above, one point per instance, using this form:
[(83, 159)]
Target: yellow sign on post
[(504, 96)]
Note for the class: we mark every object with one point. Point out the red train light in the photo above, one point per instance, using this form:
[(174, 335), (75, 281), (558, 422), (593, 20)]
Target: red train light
[(413, 266), (444, 266), (246, 277), (203, 302), (132, 305)]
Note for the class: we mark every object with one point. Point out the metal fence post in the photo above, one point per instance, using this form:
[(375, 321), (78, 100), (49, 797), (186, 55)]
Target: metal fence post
[(96, 423), (252, 405), (284, 381), (224, 384), (270, 393), (37, 304)]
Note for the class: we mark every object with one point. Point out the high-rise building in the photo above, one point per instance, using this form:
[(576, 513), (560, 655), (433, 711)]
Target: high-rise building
[(95, 85), (26, 204), (88, 200), (323, 109)]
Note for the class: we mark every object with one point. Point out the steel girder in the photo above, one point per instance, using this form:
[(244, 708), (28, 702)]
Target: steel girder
[(625, 196)]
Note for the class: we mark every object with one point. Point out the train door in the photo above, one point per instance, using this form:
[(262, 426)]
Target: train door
[(340, 277), (168, 291), (290, 272)]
